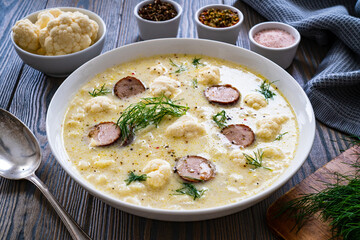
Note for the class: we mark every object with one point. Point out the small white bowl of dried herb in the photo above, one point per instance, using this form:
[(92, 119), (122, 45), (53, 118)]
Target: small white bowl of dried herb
[(158, 18), (219, 22)]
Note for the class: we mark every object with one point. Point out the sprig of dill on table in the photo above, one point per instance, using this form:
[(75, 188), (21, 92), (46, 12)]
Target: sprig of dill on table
[(146, 112), (132, 177), (99, 92), (255, 161), (196, 62), (190, 189), (265, 90), (338, 203), (220, 119), (181, 68)]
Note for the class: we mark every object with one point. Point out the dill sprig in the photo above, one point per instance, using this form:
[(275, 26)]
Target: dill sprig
[(265, 90), (220, 119), (190, 189), (338, 203), (132, 177), (195, 83), (98, 92), (196, 62), (279, 137), (255, 161), (146, 112), (181, 68)]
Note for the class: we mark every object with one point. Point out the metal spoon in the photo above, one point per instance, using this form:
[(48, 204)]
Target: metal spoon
[(20, 157)]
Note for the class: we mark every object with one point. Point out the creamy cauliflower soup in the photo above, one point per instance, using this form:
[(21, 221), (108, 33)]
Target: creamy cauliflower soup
[(180, 132)]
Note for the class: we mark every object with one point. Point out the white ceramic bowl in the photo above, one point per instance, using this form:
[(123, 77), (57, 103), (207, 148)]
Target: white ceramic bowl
[(158, 29), (282, 56), (287, 85), (63, 65), (227, 34)]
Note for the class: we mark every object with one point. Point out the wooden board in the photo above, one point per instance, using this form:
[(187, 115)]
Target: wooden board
[(314, 228)]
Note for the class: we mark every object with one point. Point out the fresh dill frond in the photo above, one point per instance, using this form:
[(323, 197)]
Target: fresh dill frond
[(265, 90), (255, 161), (279, 137), (132, 177), (190, 189), (195, 83), (146, 112), (220, 119), (181, 68), (99, 92), (196, 62), (338, 204)]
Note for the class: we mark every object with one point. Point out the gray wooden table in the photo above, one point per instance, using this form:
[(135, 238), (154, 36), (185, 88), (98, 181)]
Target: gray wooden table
[(26, 214)]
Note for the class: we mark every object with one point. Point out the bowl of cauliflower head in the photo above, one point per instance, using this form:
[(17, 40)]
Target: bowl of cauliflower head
[(57, 41)]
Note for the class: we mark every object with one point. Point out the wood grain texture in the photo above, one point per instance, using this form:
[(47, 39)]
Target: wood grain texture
[(315, 228), (26, 214)]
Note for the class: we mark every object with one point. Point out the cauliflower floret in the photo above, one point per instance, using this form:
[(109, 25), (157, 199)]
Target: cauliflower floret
[(158, 69), (209, 75), (158, 172), (238, 157), (68, 33), (26, 35), (273, 153), (165, 85), (45, 16), (186, 126), (255, 101), (269, 128), (99, 104)]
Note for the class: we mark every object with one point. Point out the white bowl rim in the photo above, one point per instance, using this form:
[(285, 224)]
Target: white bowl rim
[(167, 212), (66, 55), (222, 6), (140, 4), (272, 25)]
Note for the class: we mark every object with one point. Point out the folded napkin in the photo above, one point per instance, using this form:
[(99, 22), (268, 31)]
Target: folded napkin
[(334, 91)]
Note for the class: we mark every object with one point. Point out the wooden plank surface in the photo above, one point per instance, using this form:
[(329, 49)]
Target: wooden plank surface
[(26, 214), (315, 228)]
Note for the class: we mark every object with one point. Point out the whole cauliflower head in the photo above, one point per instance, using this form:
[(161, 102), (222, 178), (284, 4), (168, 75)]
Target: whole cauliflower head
[(165, 85), (187, 127), (26, 35), (68, 33), (158, 172), (255, 101)]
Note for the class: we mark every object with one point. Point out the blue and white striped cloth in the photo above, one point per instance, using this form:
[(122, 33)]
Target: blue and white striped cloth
[(334, 91)]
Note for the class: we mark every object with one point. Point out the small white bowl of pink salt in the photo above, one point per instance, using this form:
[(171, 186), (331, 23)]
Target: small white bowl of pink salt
[(275, 41)]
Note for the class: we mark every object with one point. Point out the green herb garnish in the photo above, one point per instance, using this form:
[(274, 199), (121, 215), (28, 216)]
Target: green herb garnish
[(279, 137), (190, 189), (146, 112), (196, 62), (133, 177), (255, 161), (265, 90), (194, 83), (338, 203), (220, 119), (98, 92), (181, 68)]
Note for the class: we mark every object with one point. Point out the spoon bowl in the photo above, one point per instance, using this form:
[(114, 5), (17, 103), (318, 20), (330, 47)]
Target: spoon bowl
[(20, 157)]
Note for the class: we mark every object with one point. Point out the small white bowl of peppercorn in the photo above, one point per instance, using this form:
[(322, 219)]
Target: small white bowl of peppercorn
[(219, 22), (158, 18)]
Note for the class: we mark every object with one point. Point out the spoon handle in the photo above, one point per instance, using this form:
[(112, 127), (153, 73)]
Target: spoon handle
[(74, 229)]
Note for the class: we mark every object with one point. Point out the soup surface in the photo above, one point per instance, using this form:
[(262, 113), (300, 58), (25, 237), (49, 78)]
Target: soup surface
[(229, 171)]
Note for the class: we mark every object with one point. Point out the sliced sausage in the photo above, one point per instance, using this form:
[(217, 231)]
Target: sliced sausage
[(222, 94), (239, 134), (195, 169), (104, 133), (128, 86)]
